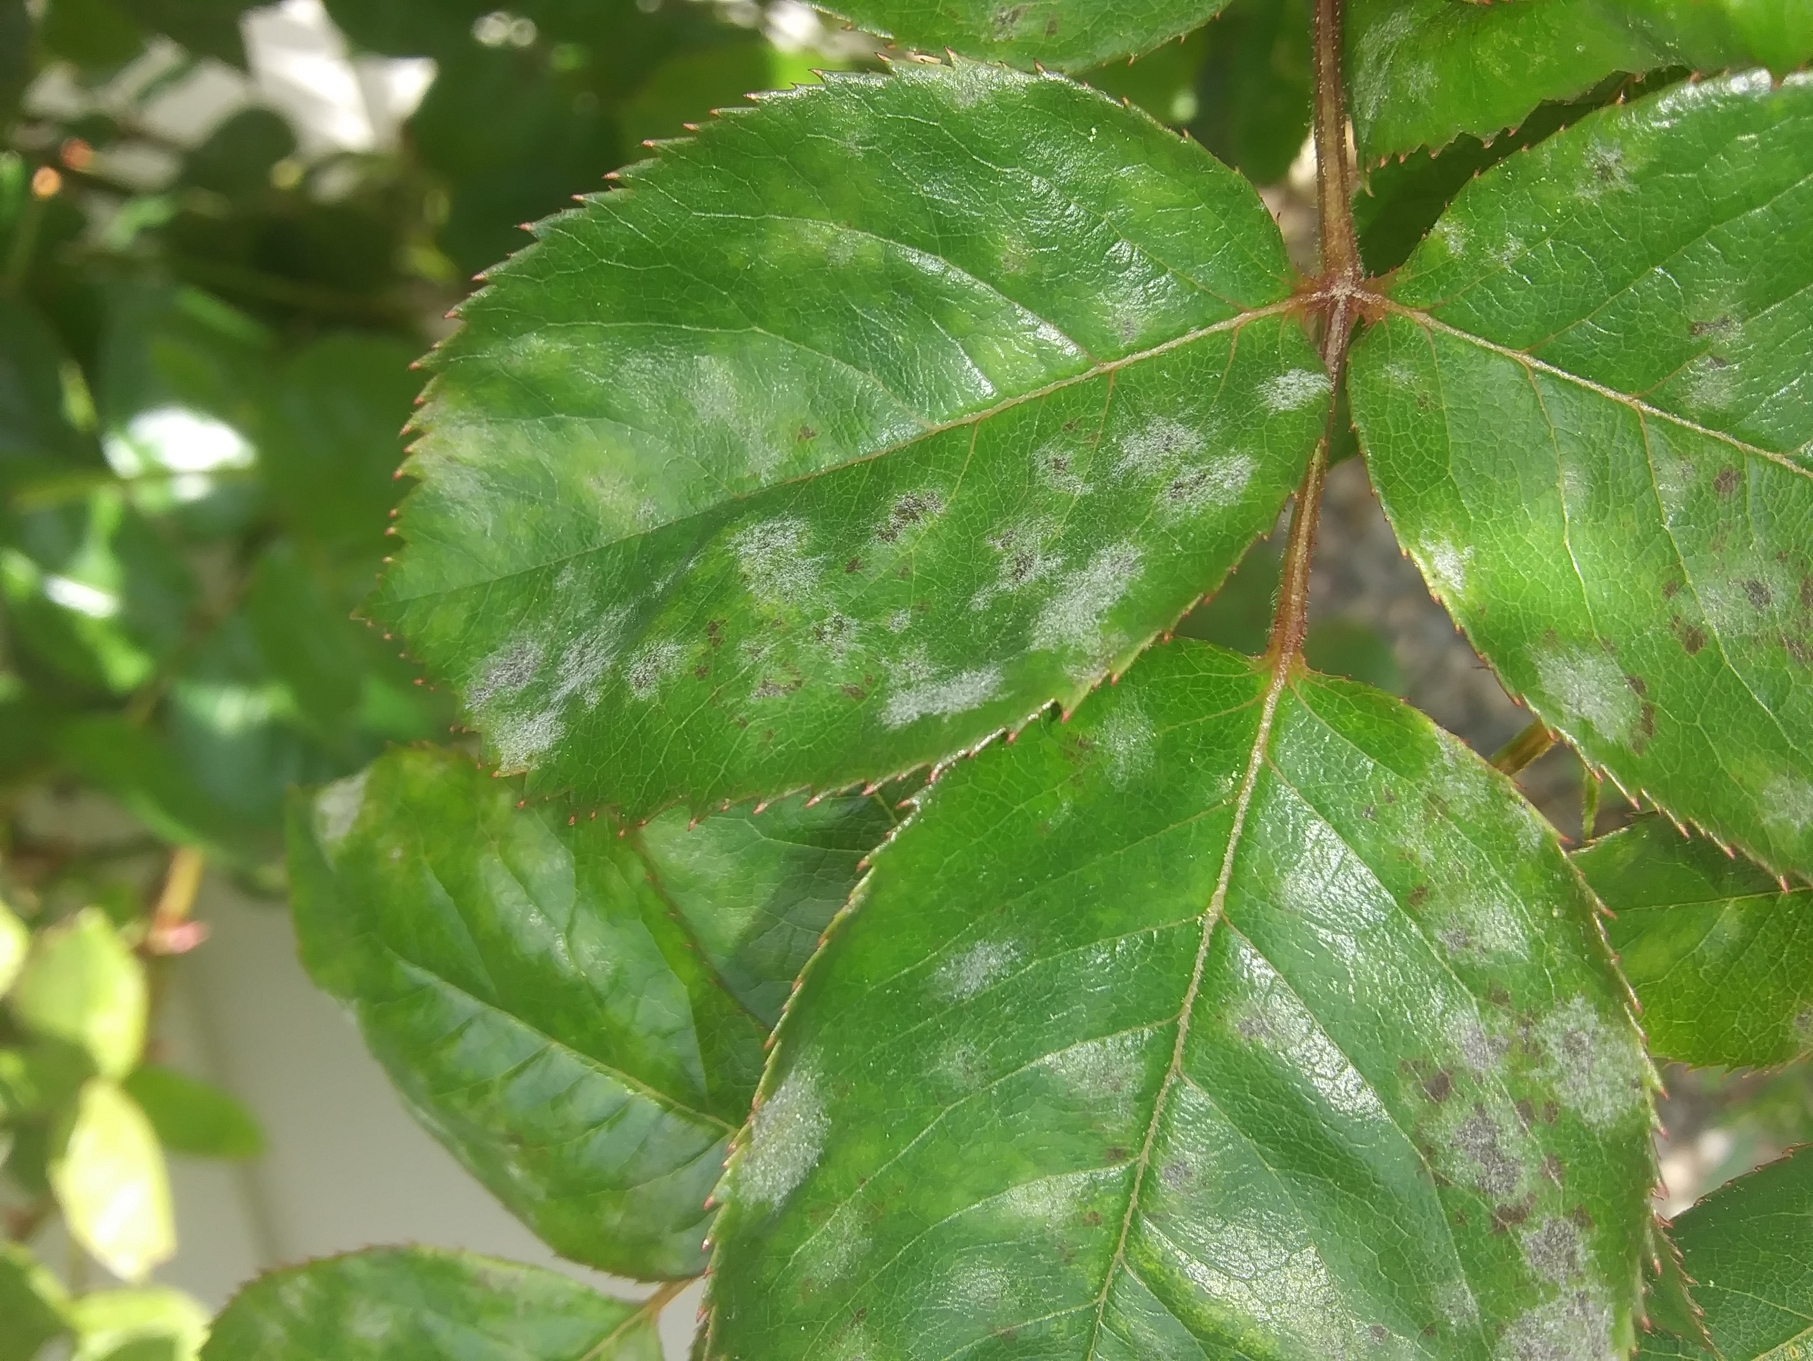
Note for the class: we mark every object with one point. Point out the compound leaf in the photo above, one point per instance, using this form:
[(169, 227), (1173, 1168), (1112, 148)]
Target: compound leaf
[(1719, 955), (1421, 71), (1064, 35), (1586, 412), (1240, 1015), (421, 1302), (545, 1009), (857, 429), (1749, 1249)]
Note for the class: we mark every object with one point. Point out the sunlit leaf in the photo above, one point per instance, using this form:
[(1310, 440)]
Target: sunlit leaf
[(82, 984), (111, 1185), (31, 1305), (1240, 1015), (151, 1324), (811, 458), (15, 940), (1063, 35), (577, 1014), (384, 1304), (1586, 411)]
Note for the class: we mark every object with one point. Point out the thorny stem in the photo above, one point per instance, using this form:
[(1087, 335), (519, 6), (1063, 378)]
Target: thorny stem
[(1339, 291)]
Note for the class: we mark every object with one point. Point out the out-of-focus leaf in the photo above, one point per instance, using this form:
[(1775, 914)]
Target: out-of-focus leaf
[(194, 1117), (577, 1014), (93, 33), (968, 413), (32, 1305), (17, 39), (35, 429), (93, 590), (1061, 35), (208, 28), (1720, 956), (1585, 412), (689, 86), (1420, 71), (315, 650), (82, 984), (414, 1304), (238, 155), (15, 941), (1163, 82), (1245, 1014), (148, 1324), (1351, 648), (1254, 87), (1748, 1248), (142, 771), (111, 1185)]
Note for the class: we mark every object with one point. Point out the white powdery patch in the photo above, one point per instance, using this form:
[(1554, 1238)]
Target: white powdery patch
[(959, 694), (1572, 1327), (1277, 1021), (1105, 1070), (1072, 619), (588, 657), (1157, 447), (337, 809), (1024, 561), (505, 672), (519, 739), (984, 963), (1594, 1065), (774, 561), (1554, 1251), (1588, 686), (1126, 738), (1448, 565), (1788, 804), (1294, 390), (1218, 483), (1452, 234), (1264, 1267), (786, 1137), (1055, 466), (651, 665), (1483, 929)]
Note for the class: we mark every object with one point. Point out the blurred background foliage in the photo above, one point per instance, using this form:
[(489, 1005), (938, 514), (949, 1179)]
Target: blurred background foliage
[(225, 234)]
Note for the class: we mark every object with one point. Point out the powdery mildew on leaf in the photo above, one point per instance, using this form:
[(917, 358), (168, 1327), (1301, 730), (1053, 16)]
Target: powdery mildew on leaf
[(803, 460), (1152, 1034)]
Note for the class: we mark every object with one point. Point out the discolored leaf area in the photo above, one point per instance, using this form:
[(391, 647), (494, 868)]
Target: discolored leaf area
[(860, 427), (1719, 955), (1749, 1249), (1422, 71), (1063, 35), (1242, 1015), (578, 1015), (1585, 409), (420, 1302)]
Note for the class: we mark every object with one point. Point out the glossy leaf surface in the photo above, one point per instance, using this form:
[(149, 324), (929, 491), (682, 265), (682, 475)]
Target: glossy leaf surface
[(1586, 412), (1227, 1019), (1720, 957), (1421, 71), (1062, 35), (111, 1184), (545, 1008), (1749, 1249), (388, 1303), (847, 434)]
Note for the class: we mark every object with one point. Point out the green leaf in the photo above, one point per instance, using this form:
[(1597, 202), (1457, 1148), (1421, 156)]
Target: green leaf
[(34, 428), (191, 1116), (15, 940), (847, 435), (1063, 35), (31, 1305), (1241, 1015), (545, 1010), (111, 1185), (1749, 1249), (153, 1324), (83, 985), (1421, 71), (1585, 411), (1254, 89), (1719, 955), (387, 1303)]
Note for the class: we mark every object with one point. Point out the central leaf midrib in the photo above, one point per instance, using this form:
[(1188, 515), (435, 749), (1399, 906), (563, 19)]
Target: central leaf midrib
[(974, 418)]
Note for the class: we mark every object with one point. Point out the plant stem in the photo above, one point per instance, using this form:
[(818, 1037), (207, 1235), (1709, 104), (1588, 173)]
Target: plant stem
[(1524, 748)]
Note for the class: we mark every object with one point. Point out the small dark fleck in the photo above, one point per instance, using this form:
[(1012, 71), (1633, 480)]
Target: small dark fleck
[(1438, 1087), (1637, 683), (701, 671), (1418, 895), (1526, 1112), (1646, 720), (1117, 1154), (1671, 590), (1693, 639), (1092, 1218), (714, 632), (853, 565), (1700, 328), (1552, 1168), (854, 691), (1583, 1217), (1726, 482), (1759, 594), (1806, 592), (806, 432), (1549, 1111)]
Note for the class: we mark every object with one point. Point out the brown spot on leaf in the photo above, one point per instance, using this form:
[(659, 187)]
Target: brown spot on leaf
[(1726, 482), (1418, 895), (806, 432), (1759, 594), (714, 632), (1439, 1087), (853, 565)]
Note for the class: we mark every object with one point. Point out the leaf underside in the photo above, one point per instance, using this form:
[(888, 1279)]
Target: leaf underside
[(1227, 1019), (385, 1303), (1749, 1249), (1062, 35), (1422, 71), (859, 428), (1719, 956), (582, 1038), (1586, 411)]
